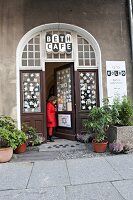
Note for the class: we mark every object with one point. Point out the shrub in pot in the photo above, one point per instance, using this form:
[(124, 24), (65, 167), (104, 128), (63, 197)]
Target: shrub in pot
[(10, 136), (32, 135), (21, 139), (98, 122), (6, 145), (7, 140), (122, 121), (122, 112)]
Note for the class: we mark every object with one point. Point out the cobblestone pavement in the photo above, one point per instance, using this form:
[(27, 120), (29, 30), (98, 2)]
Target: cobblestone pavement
[(55, 151)]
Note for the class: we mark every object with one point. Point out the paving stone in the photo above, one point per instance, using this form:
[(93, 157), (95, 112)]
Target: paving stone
[(62, 144), (97, 191), (34, 156), (49, 173), (52, 193), (123, 164), (91, 170), (125, 188), (14, 175)]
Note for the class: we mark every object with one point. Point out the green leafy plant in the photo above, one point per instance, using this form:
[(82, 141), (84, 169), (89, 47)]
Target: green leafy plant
[(122, 112), (8, 123), (10, 136), (33, 137), (98, 121)]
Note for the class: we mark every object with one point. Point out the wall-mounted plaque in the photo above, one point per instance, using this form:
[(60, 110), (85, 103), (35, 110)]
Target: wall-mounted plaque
[(64, 120), (116, 80)]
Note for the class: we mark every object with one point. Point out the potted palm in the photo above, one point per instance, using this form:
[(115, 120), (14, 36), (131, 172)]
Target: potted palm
[(98, 123)]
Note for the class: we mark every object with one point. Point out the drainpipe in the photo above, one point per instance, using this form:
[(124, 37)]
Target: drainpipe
[(130, 4)]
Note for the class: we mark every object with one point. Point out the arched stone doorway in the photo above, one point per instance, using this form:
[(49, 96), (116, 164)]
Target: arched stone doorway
[(39, 68)]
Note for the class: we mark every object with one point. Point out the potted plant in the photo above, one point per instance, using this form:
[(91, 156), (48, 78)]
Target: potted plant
[(122, 121), (10, 138), (21, 139), (32, 135), (98, 122)]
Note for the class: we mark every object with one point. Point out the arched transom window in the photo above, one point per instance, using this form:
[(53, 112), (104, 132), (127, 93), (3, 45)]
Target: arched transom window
[(36, 50)]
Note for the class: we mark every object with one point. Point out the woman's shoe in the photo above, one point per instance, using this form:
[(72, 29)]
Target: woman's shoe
[(51, 139)]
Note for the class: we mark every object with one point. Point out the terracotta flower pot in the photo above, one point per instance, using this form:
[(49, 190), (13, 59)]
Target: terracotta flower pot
[(99, 147), (21, 148), (5, 154)]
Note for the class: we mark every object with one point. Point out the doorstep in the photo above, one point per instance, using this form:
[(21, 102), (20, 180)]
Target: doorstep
[(62, 145)]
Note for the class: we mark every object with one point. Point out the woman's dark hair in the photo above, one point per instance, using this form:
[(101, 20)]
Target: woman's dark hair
[(52, 98)]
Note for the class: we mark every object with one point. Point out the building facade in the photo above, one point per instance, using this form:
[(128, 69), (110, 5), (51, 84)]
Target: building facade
[(79, 52)]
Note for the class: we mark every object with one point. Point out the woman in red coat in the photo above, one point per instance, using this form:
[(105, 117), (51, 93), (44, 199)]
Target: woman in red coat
[(51, 116)]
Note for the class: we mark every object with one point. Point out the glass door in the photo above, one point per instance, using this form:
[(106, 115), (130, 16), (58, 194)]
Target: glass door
[(65, 102)]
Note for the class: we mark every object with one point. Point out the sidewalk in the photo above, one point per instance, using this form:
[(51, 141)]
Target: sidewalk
[(94, 178)]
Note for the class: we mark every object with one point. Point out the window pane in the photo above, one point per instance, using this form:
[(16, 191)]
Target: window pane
[(37, 40), (87, 90), (30, 62), (37, 62), (31, 41), (81, 63), (49, 55), (85, 41), (92, 54), (30, 54), (93, 62), (91, 49), (80, 47), (80, 54), (64, 92), (86, 47), (31, 92), (68, 55), (86, 54), (37, 54), (87, 62), (30, 47), (24, 55), (24, 62), (56, 55), (37, 48), (80, 41), (25, 48), (62, 55)]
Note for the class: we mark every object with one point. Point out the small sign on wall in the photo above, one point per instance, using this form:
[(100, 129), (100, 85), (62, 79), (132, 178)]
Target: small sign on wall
[(64, 120), (116, 80)]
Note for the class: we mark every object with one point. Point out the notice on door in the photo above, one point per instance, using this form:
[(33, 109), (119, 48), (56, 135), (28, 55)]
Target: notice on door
[(64, 120), (116, 80)]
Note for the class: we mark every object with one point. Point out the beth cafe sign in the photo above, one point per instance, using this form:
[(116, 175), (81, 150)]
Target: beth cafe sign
[(58, 43)]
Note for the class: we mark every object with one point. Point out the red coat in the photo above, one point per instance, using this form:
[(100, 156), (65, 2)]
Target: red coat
[(51, 115)]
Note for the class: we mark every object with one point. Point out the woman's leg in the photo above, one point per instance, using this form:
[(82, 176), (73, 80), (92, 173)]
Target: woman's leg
[(50, 133)]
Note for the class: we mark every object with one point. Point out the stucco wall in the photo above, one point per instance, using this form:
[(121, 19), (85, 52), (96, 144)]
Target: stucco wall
[(106, 20)]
